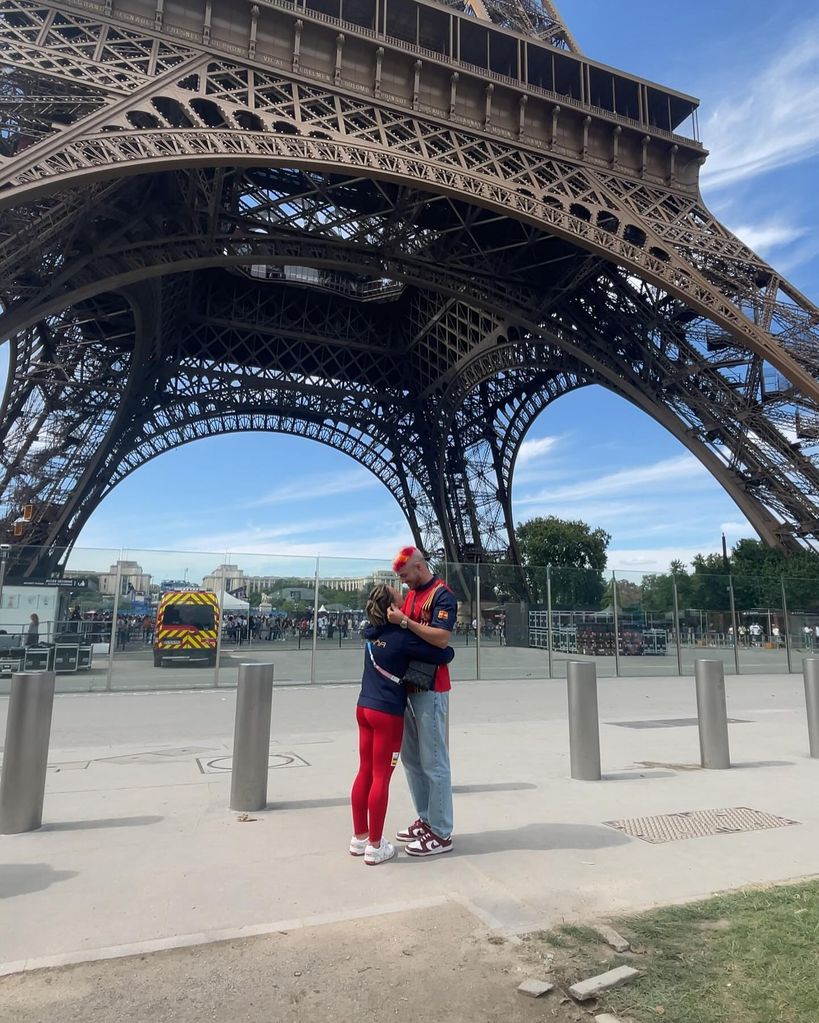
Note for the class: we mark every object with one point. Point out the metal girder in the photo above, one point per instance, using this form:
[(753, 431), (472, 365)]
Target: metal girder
[(194, 241)]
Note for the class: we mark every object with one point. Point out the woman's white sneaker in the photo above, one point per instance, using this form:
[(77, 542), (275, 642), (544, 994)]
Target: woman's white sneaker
[(358, 846), (376, 854)]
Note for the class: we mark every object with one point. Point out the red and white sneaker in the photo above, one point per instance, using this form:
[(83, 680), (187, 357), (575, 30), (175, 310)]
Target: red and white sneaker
[(412, 831), (428, 844)]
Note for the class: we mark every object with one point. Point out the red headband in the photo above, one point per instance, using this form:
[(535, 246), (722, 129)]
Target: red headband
[(402, 557)]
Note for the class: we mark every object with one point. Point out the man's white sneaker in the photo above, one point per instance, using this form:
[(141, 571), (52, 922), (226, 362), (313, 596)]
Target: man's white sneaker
[(358, 846), (429, 844), (376, 854)]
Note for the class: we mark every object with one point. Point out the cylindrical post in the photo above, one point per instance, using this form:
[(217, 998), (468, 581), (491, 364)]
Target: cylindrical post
[(786, 624), (677, 632), (25, 758), (315, 626), (251, 737), (616, 616), (584, 727), (114, 615), (549, 634), (810, 669), (478, 620), (734, 622), (712, 714)]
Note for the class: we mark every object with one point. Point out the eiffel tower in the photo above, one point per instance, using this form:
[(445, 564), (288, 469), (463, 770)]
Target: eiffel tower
[(401, 228)]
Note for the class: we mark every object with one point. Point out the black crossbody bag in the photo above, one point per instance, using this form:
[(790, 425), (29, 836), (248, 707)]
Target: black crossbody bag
[(420, 674)]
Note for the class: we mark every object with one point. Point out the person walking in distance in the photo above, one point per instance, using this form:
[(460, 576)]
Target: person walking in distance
[(380, 717), (428, 611)]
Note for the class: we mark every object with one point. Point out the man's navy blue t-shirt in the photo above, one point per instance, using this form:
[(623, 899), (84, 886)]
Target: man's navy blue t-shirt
[(393, 648)]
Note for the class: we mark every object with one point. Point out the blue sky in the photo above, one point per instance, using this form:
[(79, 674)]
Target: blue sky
[(755, 67)]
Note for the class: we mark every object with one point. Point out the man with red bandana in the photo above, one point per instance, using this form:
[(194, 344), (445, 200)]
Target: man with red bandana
[(429, 611)]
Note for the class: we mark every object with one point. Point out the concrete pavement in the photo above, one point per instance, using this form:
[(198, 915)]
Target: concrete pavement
[(138, 851)]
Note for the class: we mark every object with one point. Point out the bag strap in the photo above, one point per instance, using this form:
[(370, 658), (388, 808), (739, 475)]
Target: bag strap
[(379, 669)]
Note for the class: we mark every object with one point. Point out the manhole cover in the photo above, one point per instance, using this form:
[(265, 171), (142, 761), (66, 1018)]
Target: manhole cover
[(222, 764), (672, 827), (669, 723)]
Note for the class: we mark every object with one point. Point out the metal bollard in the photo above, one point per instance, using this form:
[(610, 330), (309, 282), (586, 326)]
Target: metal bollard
[(810, 669), (28, 729), (712, 714), (251, 737), (584, 727)]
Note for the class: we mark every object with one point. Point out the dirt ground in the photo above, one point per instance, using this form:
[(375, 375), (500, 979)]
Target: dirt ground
[(438, 964)]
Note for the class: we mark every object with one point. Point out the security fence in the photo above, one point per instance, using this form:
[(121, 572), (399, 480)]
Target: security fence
[(96, 623)]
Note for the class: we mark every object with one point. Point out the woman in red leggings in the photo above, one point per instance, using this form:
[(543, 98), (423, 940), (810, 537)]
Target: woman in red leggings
[(380, 715)]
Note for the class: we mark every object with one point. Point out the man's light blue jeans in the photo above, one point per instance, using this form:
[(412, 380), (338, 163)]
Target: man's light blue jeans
[(426, 759)]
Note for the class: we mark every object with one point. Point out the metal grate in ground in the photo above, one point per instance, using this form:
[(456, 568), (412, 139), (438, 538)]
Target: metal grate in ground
[(672, 827), (669, 723)]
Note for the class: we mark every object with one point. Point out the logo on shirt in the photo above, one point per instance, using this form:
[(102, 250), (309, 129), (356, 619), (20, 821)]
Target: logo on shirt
[(394, 761), (443, 614)]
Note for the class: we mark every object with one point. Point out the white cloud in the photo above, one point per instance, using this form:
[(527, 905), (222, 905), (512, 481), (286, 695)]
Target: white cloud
[(771, 116), (763, 237), (671, 471), (324, 485), (530, 450)]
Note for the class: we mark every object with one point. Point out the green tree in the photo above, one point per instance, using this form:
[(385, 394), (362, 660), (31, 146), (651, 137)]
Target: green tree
[(254, 598), (577, 554)]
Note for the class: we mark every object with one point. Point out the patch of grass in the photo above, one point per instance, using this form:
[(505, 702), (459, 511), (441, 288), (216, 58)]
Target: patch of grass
[(746, 957)]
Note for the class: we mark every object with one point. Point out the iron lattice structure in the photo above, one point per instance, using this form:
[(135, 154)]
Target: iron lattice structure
[(399, 227)]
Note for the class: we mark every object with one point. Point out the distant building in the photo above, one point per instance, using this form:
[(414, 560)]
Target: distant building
[(132, 579), (229, 577)]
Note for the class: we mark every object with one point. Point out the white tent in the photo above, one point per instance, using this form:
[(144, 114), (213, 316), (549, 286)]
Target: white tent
[(231, 603)]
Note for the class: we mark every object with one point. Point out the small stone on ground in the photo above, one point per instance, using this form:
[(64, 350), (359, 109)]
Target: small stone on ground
[(535, 988), (592, 987), (606, 1017), (612, 938)]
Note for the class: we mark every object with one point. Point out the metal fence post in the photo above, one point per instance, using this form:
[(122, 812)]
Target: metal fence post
[(478, 619), (677, 630), (786, 624), (315, 627), (25, 758), (810, 670), (220, 621), (251, 737), (114, 614), (584, 727), (616, 625), (549, 634), (712, 714), (734, 622)]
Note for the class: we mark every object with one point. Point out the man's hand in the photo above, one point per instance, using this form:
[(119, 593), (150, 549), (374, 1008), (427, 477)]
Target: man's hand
[(395, 615)]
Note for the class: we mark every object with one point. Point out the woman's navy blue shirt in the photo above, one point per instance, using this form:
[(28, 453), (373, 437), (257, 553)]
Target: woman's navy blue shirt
[(393, 648)]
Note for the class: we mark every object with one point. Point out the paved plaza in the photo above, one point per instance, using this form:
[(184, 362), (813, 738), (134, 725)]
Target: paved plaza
[(139, 852)]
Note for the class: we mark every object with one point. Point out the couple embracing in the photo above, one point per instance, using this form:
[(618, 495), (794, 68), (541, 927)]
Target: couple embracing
[(407, 717)]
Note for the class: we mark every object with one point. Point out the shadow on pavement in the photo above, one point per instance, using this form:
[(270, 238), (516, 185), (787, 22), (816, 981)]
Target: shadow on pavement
[(540, 837), (95, 825), (636, 775), (24, 878), (501, 786)]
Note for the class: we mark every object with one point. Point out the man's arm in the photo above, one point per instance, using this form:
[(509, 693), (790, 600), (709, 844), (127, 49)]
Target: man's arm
[(434, 636)]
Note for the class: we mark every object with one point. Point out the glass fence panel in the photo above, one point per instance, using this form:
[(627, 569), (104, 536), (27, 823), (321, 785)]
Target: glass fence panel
[(344, 586), (514, 640), (166, 620), (802, 634), (647, 639), (705, 620), (52, 619), (760, 624), (267, 612)]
